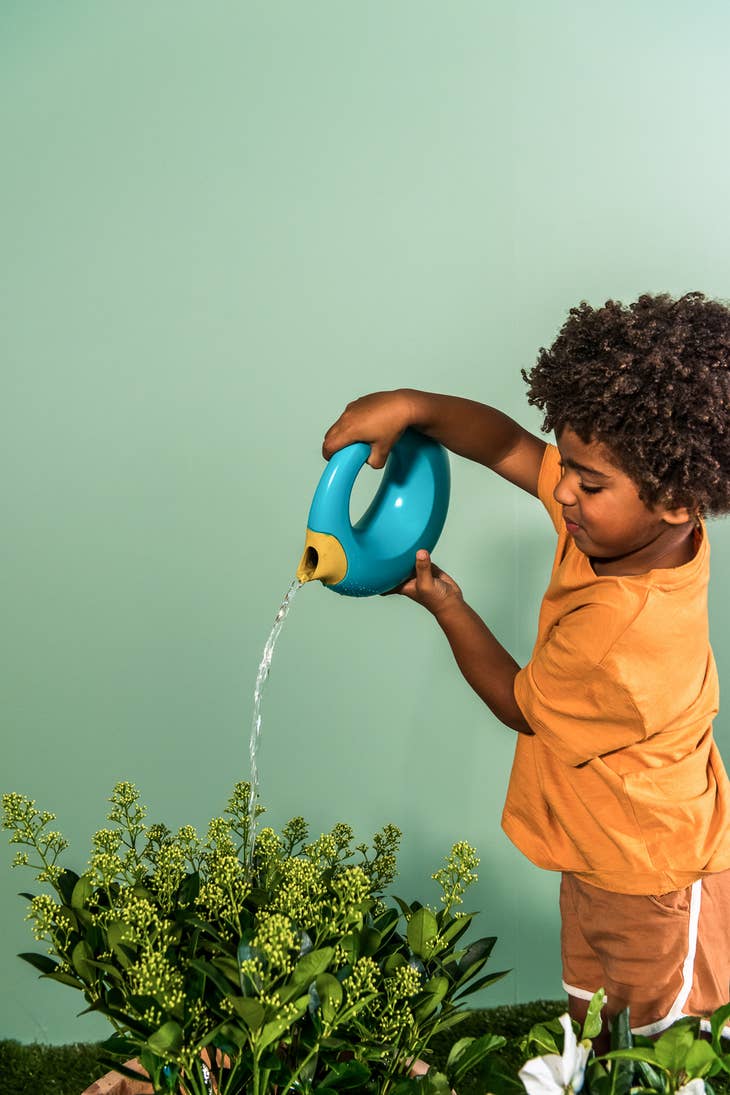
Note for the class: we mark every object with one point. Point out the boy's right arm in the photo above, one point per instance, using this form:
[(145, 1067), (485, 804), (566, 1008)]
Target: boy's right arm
[(467, 428)]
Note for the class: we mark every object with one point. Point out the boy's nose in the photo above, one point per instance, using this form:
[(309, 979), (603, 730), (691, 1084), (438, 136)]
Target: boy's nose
[(564, 494)]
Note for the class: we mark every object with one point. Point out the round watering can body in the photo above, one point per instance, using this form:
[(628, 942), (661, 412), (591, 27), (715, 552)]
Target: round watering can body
[(407, 513)]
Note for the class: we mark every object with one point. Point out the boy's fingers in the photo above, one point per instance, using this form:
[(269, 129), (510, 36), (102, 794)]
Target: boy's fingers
[(424, 576), (378, 456)]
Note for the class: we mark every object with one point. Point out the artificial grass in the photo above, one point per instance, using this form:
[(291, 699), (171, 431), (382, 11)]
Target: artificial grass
[(48, 1070)]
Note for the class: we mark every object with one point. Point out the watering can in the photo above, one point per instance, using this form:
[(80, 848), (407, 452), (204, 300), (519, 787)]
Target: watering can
[(407, 513)]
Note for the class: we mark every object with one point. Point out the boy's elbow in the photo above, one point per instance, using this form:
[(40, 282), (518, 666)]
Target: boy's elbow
[(512, 717)]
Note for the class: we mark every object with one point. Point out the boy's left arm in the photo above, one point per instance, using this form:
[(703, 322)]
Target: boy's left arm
[(485, 664)]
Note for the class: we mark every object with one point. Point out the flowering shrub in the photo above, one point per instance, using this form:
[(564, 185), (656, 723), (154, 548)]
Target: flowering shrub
[(277, 956)]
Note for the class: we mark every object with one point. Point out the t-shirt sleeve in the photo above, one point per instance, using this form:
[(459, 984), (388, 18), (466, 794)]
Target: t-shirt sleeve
[(570, 695), (547, 481)]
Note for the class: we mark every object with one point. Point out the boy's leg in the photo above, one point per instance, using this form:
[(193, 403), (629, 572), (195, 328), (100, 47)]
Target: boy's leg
[(582, 972), (661, 956)]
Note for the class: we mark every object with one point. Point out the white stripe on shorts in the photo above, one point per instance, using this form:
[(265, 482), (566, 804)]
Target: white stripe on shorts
[(688, 969), (580, 994)]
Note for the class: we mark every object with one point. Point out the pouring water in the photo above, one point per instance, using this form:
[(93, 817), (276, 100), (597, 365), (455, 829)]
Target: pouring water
[(261, 677)]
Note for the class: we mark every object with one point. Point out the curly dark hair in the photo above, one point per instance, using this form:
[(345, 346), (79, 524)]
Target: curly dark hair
[(651, 381)]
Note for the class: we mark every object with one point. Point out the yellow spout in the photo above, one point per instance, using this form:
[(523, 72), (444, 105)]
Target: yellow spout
[(324, 558)]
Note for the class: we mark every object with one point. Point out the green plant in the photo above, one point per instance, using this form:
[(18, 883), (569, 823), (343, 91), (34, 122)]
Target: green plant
[(679, 1062), (229, 965)]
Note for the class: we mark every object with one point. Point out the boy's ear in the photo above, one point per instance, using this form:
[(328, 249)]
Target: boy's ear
[(679, 516)]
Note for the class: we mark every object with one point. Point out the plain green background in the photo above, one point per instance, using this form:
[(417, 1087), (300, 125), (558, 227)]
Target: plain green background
[(222, 221)]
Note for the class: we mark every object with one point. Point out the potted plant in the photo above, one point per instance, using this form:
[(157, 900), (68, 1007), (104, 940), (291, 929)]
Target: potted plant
[(240, 962)]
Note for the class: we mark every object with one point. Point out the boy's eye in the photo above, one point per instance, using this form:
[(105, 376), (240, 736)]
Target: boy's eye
[(582, 486)]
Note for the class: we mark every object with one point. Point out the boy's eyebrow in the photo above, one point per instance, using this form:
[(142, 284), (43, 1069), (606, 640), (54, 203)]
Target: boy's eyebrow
[(583, 468)]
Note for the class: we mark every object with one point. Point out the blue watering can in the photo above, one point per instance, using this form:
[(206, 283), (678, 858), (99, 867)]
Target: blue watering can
[(407, 513)]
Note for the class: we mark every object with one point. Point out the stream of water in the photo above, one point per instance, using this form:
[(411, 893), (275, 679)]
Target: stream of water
[(261, 676)]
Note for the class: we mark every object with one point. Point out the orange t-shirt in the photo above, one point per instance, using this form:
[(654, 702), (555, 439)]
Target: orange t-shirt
[(622, 782)]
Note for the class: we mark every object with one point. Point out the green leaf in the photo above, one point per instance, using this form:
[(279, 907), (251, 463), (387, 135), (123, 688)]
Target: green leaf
[(543, 1039), (311, 965), (118, 1045), (197, 922), (107, 968), (672, 1048), (330, 995), (82, 891), (496, 1075), (453, 1019), (251, 1011), (433, 1083), (351, 946), (370, 940), (272, 1031), (718, 1020), (700, 1060), (40, 961), (123, 1018), (422, 930), (228, 967), (80, 960), (211, 1035), (405, 908), (167, 1040), (117, 1066), (649, 1076), (621, 1036), (231, 1037), (64, 979), (387, 921), (393, 962), (428, 1000), (346, 1074), (640, 1053), (456, 1051), (189, 889), (482, 983), (471, 1053), (476, 954), (66, 882), (450, 936), (593, 1022), (220, 981), (125, 953)]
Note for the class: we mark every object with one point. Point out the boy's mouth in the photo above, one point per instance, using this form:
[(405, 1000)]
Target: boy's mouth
[(571, 526)]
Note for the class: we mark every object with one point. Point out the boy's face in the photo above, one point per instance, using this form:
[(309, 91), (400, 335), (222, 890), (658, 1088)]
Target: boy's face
[(607, 519)]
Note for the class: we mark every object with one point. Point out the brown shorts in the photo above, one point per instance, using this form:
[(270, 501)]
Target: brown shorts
[(663, 957)]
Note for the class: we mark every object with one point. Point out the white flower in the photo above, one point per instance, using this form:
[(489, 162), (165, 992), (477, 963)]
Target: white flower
[(694, 1087), (553, 1075)]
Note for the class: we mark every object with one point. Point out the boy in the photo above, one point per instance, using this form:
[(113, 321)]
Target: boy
[(617, 781)]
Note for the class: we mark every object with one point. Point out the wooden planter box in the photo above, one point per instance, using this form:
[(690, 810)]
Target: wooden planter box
[(116, 1084)]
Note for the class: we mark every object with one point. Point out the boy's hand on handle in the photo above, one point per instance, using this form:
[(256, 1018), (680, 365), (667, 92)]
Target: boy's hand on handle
[(378, 419), (431, 586), (472, 430)]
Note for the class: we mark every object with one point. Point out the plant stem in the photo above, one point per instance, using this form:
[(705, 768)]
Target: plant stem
[(295, 1075)]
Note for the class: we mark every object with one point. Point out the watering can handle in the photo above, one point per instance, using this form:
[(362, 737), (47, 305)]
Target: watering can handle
[(333, 493)]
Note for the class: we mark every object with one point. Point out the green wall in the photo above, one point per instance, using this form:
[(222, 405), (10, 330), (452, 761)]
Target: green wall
[(220, 222)]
